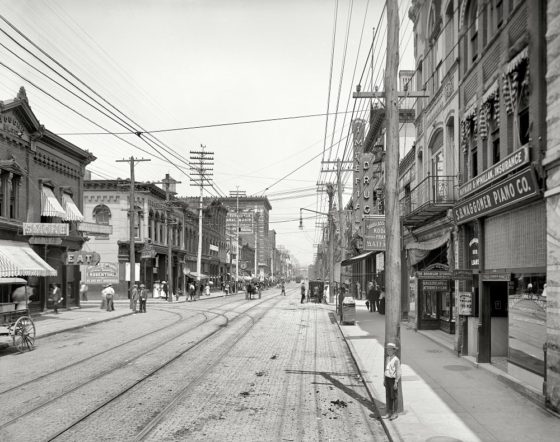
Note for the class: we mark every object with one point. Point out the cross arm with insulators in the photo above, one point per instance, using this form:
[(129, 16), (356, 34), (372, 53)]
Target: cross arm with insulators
[(403, 94)]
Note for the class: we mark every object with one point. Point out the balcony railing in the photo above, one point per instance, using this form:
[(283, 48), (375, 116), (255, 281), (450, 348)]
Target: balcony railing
[(432, 196)]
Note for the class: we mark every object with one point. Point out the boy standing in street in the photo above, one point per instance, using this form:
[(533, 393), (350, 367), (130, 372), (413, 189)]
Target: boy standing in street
[(391, 382)]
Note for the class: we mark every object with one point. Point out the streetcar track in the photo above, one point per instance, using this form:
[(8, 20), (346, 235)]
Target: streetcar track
[(151, 373), (181, 394), (180, 318), (25, 384), (112, 369)]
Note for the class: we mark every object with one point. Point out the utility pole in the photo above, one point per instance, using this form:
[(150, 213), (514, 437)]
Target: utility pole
[(237, 194), (170, 283), (200, 177), (132, 217), (256, 231), (330, 193), (392, 219)]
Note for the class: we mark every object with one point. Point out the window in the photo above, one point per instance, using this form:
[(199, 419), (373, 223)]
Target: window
[(474, 160), (523, 106), (473, 30), (102, 214), (499, 13), (495, 144)]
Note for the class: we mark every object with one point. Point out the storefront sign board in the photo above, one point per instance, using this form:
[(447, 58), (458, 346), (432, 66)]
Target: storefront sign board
[(462, 274), (514, 161), (46, 240), (435, 285), (95, 229), (495, 276), (511, 191), (465, 303), (103, 273), (433, 274), (374, 236), (46, 229)]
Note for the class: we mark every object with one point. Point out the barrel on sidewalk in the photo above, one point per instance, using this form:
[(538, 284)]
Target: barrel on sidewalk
[(348, 310)]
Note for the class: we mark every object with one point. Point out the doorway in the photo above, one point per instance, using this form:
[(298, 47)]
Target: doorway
[(498, 291)]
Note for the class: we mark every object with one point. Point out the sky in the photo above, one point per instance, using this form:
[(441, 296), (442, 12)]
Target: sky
[(171, 64)]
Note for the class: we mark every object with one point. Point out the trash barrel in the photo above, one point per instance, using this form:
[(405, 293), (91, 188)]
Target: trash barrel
[(348, 310)]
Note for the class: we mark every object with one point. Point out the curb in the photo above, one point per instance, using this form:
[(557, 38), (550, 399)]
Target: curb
[(372, 397)]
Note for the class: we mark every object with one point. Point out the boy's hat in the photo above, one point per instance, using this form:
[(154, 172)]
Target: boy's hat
[(142, 285), (391, 345)]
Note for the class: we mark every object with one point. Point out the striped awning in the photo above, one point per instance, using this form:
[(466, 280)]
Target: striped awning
[(72, 211), (50, 205), (18, 259)]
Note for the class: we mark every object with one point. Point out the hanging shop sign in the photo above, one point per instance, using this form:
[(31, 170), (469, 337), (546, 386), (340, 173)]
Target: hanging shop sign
[(510, 191), (374, 236), (510, 163), (81, 257), (214, 248), (103, 273), (95, 229), (46, 229)]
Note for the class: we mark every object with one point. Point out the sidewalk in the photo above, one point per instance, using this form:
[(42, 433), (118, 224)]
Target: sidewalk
[(48, 323), (445, 397)]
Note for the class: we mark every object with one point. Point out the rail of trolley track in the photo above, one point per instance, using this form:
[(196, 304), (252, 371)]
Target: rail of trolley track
[(178, 333)]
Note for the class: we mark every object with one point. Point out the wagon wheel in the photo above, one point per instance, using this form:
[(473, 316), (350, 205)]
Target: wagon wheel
[(24, 334)]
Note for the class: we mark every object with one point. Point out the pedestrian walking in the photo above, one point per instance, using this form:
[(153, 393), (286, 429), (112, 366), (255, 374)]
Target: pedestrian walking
[(302, 293), (192, 291), (226, 288), (207, 289), (103, 305), (391, 382), (134, 297), (56, 297), (381, 305), (143, 298), (164, 289), (283, 287), (83, 291), (372, 297), (109, 295)]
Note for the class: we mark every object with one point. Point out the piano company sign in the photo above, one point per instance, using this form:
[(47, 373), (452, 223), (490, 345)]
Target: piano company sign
[(510, 191)]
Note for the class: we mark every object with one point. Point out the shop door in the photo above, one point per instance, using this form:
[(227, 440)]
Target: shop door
[(498, 318)]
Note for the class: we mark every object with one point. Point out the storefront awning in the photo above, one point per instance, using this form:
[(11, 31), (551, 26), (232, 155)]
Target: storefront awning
[(195, 274), (418, 250), (72, 211), (18, 259), (357, 258), (50, 205)]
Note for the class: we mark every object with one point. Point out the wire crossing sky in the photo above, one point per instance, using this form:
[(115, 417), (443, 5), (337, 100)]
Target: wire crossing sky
[(249, 79)]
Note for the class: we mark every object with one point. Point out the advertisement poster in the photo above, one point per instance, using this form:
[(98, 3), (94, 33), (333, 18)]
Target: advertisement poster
[(103, 273)]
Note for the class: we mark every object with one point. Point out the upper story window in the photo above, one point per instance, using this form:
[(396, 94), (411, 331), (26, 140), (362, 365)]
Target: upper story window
[(472, 30), (9, 185), (102, 214)]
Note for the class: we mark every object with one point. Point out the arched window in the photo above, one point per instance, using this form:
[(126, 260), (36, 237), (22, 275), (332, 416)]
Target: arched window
[(102, 214)]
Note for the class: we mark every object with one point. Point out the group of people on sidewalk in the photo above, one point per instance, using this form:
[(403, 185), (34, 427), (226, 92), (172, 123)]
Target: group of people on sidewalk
[(375, 300)]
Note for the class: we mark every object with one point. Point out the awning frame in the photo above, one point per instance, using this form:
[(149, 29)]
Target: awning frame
[(358, 258), (50, 205), (72, 211)]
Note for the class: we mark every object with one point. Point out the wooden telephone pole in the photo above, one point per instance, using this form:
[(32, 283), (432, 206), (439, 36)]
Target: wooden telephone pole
[(201, 176), (132, 217)]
